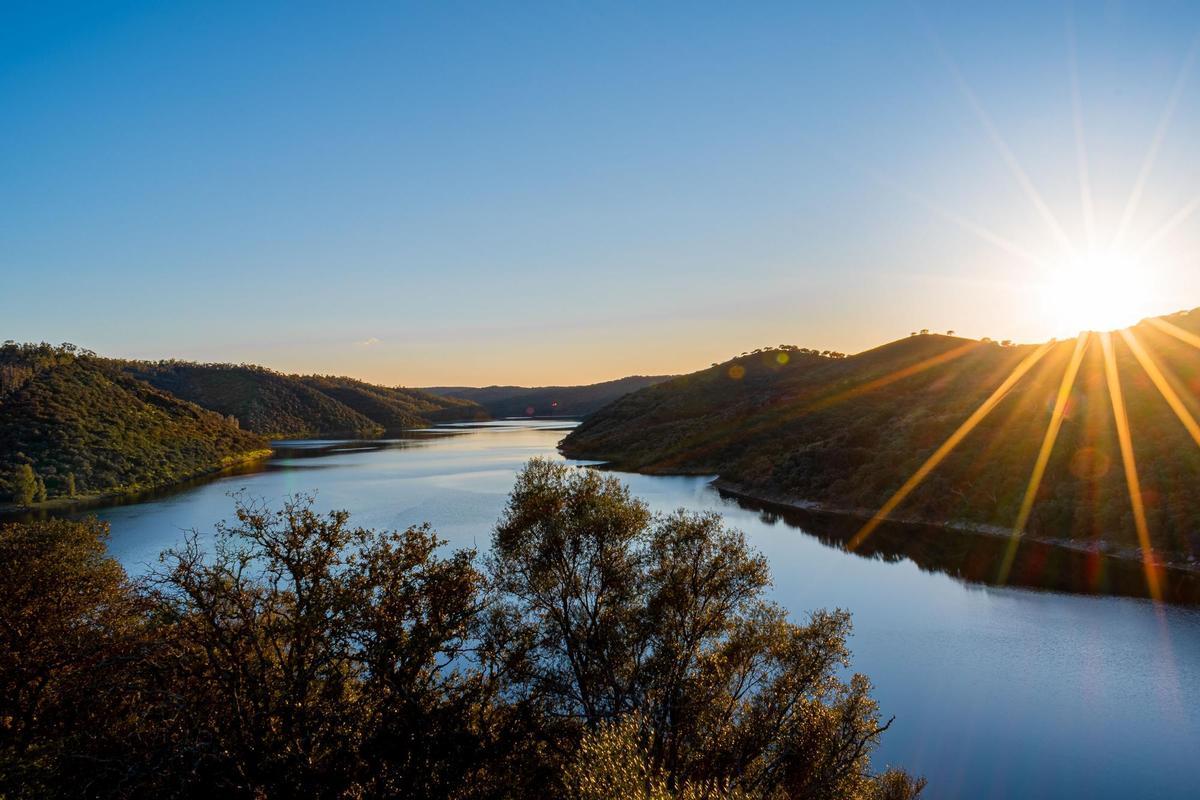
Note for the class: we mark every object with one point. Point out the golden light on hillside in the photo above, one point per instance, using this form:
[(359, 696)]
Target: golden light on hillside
[(1088, 289), (1168, 386), (950, 444)]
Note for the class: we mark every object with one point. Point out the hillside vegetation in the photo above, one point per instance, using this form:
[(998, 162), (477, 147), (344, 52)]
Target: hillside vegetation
[(73, 424), (848, 433), (548, 401), (266, 402), (291, 406), (395, 407)]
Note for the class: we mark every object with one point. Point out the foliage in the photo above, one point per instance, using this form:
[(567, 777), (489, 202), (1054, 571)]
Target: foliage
[(287, 406), (848, 433), (298, 655), (70, 626), (269, 403), (613, 762), (24, 485), (607, 611), (395, 408), (81, 425)]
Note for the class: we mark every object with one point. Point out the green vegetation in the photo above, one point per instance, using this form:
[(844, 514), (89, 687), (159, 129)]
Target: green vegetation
[(600, 653), (269, 403), (72, 423), (282, 406), (395, 408), (75, 424), (548, 401), (848, 432)]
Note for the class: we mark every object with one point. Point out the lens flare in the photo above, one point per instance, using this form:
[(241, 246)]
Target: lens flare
[(1039, 468), (948, 446)]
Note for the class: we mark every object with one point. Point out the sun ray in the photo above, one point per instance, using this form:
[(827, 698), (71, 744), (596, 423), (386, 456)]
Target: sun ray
[(891, 377), (1006, 154), (1173, 330), (813, 405), (1164, 122), (948, 446), (1043, 458), (1160, 381), (1168, 227), (967, 224), (1132, 481), (1081, 158)]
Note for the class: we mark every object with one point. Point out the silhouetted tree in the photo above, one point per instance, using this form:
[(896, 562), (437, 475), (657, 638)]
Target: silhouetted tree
[(607, 653)]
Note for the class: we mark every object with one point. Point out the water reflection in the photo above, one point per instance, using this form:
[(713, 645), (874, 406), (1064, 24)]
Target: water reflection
[(974, 557)]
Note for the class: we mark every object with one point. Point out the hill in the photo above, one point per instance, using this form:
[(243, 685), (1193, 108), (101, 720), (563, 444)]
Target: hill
[(849, 433), (269, 403), (395, 407), (73, 424), (548, 401)]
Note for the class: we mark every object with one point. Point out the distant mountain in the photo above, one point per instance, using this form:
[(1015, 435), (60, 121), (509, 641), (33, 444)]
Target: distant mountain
[(548, 401), (848, 433), (269, 403), (395, 407), (74, 424)]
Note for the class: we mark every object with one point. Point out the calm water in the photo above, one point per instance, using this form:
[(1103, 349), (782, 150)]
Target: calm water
[(996, 692)]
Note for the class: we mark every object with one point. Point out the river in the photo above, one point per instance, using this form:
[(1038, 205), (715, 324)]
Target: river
[(996, 692)]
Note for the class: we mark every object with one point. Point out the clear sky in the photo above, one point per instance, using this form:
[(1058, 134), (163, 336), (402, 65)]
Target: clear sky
[(444, 193)]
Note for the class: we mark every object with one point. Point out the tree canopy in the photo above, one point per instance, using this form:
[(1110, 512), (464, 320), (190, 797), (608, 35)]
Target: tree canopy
[(598, 652)]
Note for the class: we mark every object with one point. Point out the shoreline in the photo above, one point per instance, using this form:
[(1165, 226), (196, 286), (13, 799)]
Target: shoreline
[(91, 499), (1125, 554)]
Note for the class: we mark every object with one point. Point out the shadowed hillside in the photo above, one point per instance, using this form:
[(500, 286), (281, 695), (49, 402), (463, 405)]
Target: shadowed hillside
[(548, 401), (395, 407), (72, 424), (849, 433), (266, 402)]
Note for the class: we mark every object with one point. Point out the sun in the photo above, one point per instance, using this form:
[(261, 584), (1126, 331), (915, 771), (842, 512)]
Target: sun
[(1103, 291)]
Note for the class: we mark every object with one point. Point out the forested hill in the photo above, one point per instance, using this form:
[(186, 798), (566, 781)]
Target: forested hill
[(548, 401), (73, 424), (848, 433), (288, 406), (395, 407), (266, 402)]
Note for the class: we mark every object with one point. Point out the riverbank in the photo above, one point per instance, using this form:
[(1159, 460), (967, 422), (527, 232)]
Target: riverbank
[(228, 465), (737, 490)]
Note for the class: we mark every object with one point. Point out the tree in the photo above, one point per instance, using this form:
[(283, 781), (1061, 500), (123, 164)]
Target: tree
[(70, 627), (607, 653), (612, 761), (24, 485), (607, 611), (337, 647)]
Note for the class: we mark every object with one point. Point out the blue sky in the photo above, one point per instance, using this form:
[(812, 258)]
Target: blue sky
[(425, 193)]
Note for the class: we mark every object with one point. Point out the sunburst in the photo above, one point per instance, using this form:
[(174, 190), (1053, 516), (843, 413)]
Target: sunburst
[(1094, 286)]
